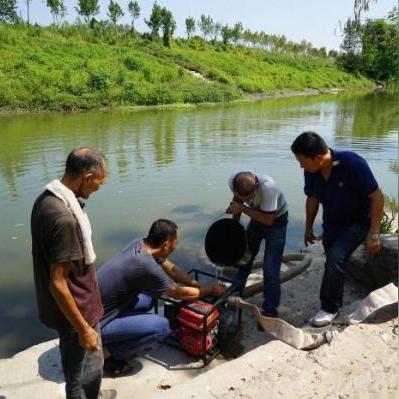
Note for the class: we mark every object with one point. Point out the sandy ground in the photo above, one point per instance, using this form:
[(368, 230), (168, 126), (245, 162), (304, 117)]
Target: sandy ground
[(361, 361)]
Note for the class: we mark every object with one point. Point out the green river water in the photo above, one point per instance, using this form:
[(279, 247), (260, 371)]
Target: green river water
[(171, 163)]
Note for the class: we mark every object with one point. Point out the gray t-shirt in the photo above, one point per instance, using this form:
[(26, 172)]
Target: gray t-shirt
[(127, 274), (268, 198)]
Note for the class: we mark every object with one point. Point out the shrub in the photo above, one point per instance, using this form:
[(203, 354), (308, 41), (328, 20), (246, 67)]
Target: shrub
[(132, 64), (98, 80)]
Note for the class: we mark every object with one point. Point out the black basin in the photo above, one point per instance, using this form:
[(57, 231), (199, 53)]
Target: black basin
[(225, 242)]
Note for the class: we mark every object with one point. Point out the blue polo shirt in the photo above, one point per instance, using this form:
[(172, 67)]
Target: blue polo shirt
[(344, 196)]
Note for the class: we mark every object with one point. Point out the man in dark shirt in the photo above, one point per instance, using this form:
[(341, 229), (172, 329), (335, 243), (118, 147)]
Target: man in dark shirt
[(67, 293), (352, 211), (130, 281)]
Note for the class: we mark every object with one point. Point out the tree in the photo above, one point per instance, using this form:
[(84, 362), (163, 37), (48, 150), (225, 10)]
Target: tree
[(360, 6), (216, 31), (155, 21), (371, 48), (190, 26), (88, 9), (27, 10), (205, 24), (57, 9), (134, 11), (8, 11), (333, 54), (168, 26), (114, 12), (226, 34), (236, 32), (380, 54), (350, 59)]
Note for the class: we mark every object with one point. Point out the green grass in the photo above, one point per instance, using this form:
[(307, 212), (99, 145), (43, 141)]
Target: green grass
[(77, 68)]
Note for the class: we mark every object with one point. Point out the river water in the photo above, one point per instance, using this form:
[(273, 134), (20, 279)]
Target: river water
[(171, 163)]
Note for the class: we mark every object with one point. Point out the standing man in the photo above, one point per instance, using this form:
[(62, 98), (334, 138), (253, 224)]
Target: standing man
[(352, 210), (259, 198), (130, 281), (67, 293)]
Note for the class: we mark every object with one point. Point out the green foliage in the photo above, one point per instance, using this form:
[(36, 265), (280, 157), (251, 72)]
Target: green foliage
[(226, 34), (57, 9), (190, 27), (393, 167), (216, 31), (134, 10), (98, 80), (114, 12), (133, 64), (380, 49), (168, 26), (236, 32), (8, 11), (371, 48), (88, 9), (155, 21), (391, 209), (78, 67), (205, 24)]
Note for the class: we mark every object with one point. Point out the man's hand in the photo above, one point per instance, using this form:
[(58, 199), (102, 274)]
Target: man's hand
[(235, 208), (217, 289), (373, 246), (89, 340), (310, 238), (194, 283)]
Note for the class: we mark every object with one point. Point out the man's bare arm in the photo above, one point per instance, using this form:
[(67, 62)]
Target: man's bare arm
[(311, 207), (178, 275), (376, 210), (193, 293)]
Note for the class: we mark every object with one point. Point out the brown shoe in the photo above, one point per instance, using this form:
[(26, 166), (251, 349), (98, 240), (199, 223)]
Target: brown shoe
[(108, 394)]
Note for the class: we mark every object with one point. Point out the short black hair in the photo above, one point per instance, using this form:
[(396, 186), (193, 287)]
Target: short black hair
[(245, 183), (309, 144), (160, 231), (84, 159)]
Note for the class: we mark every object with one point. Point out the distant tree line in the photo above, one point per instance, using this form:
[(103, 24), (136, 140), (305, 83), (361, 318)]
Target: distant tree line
[(369, 48), (161, 20), (236, 34)]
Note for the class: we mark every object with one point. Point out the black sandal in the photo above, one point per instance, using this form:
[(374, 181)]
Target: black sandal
[(117, 368)]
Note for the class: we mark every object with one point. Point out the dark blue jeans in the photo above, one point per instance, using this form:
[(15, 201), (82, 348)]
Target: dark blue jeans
[(274, 237), (83, 370), (133, 328), (338, 249)]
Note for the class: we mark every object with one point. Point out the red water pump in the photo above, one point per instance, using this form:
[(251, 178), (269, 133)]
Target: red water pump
[(201, 328), (198, 327)]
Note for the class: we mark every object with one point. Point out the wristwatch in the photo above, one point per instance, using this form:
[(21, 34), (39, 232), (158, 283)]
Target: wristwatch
[(374, 236)]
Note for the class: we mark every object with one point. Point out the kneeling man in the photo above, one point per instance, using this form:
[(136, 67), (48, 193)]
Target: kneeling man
[(130, 281)]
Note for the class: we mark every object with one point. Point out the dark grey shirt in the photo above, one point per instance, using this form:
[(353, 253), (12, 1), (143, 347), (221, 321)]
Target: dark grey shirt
[(127, 274), (56, 238)]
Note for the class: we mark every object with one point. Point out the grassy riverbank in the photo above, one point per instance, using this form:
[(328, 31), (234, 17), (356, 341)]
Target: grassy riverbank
[(77, 68)]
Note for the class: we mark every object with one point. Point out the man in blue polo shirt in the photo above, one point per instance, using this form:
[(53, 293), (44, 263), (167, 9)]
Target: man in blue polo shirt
[(352, 211)]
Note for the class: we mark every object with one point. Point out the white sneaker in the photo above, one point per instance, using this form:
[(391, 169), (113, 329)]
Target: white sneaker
[(322, 318)]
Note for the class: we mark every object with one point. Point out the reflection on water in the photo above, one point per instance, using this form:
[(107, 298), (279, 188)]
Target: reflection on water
[(169, 163)]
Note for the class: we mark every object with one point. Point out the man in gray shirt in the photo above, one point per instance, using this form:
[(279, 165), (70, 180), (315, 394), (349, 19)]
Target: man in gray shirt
[(130, 281), (258, 197)]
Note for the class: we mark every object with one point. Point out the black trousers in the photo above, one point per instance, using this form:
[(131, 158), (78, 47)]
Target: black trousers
[(338, 250), (83, 370)]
